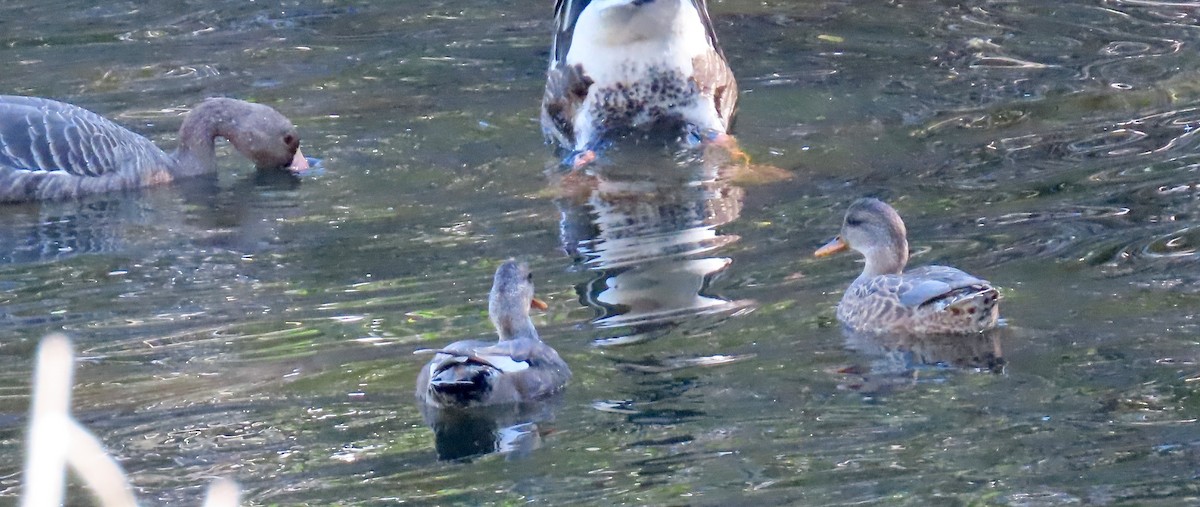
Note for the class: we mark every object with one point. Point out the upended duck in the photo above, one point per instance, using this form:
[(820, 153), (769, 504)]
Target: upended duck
[(887, 299), (635, 64), (53, 150), (519, 367)]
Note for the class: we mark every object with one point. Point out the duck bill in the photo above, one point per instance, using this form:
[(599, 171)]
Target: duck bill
[(537, 304), (299, 163), (834, 245)]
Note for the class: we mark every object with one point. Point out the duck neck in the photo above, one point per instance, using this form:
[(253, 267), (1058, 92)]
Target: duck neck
[(512, 323), (888, 259), (196, 153)]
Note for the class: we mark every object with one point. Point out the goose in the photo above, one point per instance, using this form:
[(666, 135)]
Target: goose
[(519, 367), (886, 299), (53, 150)]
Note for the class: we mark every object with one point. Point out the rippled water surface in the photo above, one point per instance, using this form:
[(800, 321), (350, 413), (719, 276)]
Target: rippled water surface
[(264, 330)]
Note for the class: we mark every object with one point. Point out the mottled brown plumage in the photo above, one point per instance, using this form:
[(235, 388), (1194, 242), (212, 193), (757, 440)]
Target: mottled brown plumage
[(519, 367), (886, 299), (54, 150)]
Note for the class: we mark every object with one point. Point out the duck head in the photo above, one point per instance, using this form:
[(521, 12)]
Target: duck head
[(875, 230), (510, 301)]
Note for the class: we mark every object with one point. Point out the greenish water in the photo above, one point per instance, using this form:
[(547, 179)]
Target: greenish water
[(263, 330)]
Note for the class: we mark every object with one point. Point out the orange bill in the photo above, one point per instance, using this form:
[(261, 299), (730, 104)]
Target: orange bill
[(538, 304), (299, 163), (583, 159), (834, 245)]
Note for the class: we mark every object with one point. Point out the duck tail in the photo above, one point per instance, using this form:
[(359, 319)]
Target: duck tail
[(462, 383), (977, 302)]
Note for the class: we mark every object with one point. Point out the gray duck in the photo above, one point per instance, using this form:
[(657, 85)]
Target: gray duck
[(635, 64), (54, 150), (887, 299), (519, 367)]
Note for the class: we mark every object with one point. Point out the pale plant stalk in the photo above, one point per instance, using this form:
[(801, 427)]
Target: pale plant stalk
[(99, 471), (56, 440), (223, 492), (49, 421)]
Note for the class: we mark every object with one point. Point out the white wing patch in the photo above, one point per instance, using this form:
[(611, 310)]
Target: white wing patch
[(505, 364)]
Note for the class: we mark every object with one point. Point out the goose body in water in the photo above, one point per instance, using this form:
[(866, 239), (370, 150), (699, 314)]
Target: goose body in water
[(886, 299), (54, 150), (631, 65), (519, 367)]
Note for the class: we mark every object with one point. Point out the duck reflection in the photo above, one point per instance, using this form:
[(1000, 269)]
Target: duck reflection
[(242, 218), (647, 226), (903, 353), (900, 360), (514, 430)]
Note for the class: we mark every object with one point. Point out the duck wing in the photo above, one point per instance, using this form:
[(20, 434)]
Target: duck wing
[(46, 136), (566, 12), (566, 85), (508, 356), (566, 88), (941, 285), (701, 7), (926, 300), (712, 73)]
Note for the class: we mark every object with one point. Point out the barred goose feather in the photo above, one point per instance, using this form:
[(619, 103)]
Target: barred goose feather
[(53, 150)]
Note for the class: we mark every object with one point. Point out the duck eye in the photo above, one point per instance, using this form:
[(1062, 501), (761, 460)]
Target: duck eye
[(853, 222), (289, 139), (529, 277)]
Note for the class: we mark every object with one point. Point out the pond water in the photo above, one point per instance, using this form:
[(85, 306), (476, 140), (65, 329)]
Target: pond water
[(264, 330)]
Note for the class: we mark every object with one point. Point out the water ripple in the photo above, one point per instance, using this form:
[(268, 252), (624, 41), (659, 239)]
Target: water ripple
[(1147, 148), (1159, 12)]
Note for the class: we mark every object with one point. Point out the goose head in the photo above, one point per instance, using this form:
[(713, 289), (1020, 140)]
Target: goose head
[(257, 131)]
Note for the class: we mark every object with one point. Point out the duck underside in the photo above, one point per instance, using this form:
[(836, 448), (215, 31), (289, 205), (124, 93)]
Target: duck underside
[(591, 102), (660, 101), (657, 95)]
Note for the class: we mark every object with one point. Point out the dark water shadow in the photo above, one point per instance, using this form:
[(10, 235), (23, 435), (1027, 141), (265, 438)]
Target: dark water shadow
[(514, 430)]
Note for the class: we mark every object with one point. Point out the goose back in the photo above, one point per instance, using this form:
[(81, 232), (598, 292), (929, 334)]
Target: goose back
[(52, 150)]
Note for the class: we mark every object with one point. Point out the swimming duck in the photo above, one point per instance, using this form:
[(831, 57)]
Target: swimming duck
[(886, 299), (519, 367), (634, 64), (54, 150)]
